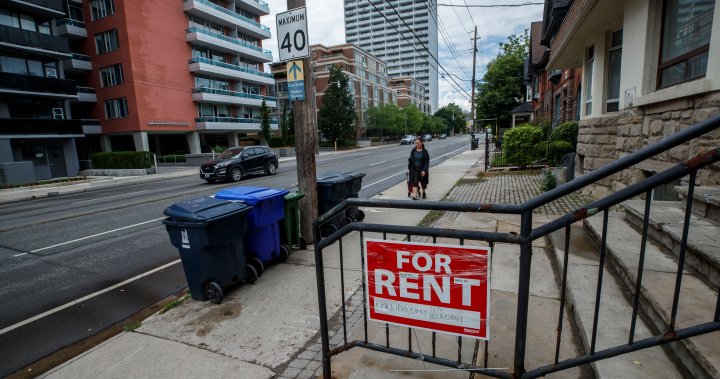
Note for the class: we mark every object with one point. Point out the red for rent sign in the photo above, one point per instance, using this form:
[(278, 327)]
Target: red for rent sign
[(442, 288)]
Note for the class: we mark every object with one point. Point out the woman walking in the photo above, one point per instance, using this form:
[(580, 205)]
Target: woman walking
[(418, 167)]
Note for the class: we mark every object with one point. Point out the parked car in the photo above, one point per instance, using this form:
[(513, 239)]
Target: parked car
[(427, 138), (408, 140), (443, 136), (236, 162)]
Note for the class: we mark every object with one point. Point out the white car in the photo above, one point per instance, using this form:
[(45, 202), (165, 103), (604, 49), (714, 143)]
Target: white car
[(408, 140)]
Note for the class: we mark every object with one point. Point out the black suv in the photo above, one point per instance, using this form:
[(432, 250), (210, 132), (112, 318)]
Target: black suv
[(236, 162)]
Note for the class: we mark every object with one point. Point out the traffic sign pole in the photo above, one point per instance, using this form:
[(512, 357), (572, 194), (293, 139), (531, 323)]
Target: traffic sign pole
[(305, 131)]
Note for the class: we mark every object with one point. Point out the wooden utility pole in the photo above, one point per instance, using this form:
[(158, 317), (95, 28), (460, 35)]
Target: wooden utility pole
[(472, 95), (305, 142)]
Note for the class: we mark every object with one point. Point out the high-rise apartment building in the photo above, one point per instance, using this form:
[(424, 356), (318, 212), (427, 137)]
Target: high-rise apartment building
[(403, 34), (38, 134), (165, 76)]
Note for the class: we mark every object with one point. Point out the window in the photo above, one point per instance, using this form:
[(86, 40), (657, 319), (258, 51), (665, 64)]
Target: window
[(589, 66), (102, 8), (685, 41), (107, 41), (111, 76), (612, 97), (116, 108)]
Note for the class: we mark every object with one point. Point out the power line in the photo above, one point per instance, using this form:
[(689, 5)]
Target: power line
[(490, 5)]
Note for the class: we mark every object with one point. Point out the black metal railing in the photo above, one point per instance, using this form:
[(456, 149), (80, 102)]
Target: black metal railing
[(524, 240)]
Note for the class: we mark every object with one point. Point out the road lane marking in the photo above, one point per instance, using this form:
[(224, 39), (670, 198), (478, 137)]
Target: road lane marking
[(95, 235), (19, 255), (108, 197), (375, 164), (84, 298)]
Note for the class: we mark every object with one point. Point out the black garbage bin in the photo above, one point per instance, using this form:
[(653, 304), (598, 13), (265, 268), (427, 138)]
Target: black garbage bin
[(209, 234), (332, 189), (473, 142)]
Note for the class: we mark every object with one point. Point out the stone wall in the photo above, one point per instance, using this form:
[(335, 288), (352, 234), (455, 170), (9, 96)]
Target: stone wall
[(602, 140)]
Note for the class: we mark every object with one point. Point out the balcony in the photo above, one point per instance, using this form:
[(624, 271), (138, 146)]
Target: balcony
[(91, 126), (42, 9), (70, 28), (33, 42), (206, 38), (226, 17), (77, 62), (36, 86), (219, 96), (232, 123), (229, 71), (37, 127), (86, 95), (258, 7)]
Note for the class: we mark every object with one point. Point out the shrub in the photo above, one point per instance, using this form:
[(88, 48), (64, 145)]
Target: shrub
[(567, 131), (553, 151), (277, 142), (218, 149), (548, 182), (519, 143), (122, 160)]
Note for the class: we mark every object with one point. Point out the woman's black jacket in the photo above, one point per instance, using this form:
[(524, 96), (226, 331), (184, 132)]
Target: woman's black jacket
[(416, 170)]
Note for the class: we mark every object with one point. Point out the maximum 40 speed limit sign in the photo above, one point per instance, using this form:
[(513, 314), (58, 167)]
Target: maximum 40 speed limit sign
[(292, 34)]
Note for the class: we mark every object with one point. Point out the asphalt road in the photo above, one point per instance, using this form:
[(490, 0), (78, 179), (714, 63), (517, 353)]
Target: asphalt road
[(73, 265)]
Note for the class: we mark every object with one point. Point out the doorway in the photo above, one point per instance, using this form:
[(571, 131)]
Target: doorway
[(56, 159)]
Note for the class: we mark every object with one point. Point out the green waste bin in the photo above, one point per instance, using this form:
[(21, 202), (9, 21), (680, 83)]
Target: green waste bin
[(290, 227)]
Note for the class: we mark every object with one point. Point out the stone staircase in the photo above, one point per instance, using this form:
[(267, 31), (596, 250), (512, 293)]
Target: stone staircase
[(697, 357)]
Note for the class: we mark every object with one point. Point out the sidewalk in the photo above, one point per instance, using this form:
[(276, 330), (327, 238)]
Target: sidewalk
[(279, 338)]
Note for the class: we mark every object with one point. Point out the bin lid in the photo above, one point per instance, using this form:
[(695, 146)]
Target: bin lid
[(294, 196), (355, 174), (250, 195), (332, 178), (204, 209)]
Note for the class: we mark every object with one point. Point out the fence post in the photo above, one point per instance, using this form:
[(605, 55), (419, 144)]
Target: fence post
[(523, 293)]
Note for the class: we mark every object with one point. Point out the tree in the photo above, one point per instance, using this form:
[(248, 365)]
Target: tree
[(291, 122), (453, 116), (336, 119), (284, 127), (414, 119), (265, 122), (502, 87), (385, 119)]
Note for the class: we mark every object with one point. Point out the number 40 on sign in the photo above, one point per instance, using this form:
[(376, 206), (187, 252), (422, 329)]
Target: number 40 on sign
[(292, 34)]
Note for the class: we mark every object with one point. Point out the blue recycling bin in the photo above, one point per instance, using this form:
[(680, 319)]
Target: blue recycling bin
[(332, 189), (262, 244), (209, 235)]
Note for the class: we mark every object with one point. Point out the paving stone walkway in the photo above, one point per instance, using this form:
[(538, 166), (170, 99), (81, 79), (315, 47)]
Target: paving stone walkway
[(501, 188)]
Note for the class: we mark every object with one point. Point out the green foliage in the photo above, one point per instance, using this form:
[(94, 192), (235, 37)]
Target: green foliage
[(567, 131), (385, 119), (548, 182), (265, 121), (453, 116), (218, 149), (502, 87), (518, 144), (284, 129), (172, 304), (132, 326), (336, 118), (122, 160), (414, 118), (552, 151), (278, 142)]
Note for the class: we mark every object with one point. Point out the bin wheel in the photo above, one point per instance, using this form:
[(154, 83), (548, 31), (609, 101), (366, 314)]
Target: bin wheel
[(213, 292), (349, 220), (303, 243), (330, 229), (258, 265), (284, 253), (251, 275), (360, 215)]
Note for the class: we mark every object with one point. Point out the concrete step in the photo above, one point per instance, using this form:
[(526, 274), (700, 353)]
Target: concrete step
[(699, 356), (706, 201), (615, 312), (665, 228)]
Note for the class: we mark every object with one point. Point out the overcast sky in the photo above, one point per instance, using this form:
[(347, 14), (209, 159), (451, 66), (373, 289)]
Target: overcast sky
[(326, 26)]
